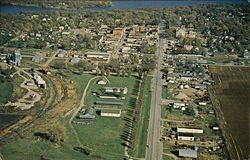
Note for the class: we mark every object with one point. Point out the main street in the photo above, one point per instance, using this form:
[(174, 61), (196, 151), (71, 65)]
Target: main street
[(154, 146)]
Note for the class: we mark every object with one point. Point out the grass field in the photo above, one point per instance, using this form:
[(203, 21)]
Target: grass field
[(230, 95), (6, 89), (141, 134)]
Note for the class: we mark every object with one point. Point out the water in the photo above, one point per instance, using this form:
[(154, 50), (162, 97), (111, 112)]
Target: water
[(6, 9), (165, 3)]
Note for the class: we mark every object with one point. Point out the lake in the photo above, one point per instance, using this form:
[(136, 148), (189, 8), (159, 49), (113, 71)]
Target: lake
[(7, 9)]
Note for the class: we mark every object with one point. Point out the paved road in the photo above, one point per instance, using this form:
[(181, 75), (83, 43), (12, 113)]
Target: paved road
[(154, 146)]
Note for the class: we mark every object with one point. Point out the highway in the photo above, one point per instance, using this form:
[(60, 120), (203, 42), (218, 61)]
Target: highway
[(154, 146)]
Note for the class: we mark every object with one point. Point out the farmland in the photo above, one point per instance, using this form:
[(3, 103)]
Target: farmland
[(230, 95)]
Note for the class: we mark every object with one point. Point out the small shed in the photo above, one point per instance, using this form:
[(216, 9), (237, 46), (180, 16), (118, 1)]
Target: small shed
[(109, 112), (189, 153)]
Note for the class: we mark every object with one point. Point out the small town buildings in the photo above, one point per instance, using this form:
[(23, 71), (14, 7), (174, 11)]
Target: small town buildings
[(187, 153), (37, 58), (115, 90), (39, 81), (62, 53), (108, 103), (75, 60), (189, 130), (110, 112), (185, 136)]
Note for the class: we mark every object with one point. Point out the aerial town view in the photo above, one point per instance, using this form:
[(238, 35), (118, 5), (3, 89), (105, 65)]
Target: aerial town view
[(124, 80)]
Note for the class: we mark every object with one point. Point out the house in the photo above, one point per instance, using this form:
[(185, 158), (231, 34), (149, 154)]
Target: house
[(179, 104), (94, 67), (37, 58), (86, 116), (62, 53), (103, 82), (246, 55), (189, 130), (185, 136), (109, 112), (75, 60), (108, 103), (187, 153), (115, 90)]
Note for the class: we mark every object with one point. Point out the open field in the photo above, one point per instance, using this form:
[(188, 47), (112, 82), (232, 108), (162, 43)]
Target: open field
[(230, 95)]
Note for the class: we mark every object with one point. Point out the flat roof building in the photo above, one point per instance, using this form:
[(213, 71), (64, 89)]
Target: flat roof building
[(108, 103), (189, 130)]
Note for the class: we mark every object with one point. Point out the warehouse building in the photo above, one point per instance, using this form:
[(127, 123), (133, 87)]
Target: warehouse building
[(109, 112), (189, 130)]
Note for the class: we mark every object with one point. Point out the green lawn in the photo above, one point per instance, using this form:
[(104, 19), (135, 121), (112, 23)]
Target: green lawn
[(141, 136), (6, 89), (104, 134)]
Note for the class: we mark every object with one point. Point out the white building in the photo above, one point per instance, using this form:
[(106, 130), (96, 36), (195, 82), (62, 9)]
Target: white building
[(109, 112), (189, 130), (115, 90)]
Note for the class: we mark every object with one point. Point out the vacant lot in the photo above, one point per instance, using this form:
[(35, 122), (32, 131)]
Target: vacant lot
[(6, 89), (230, 95), (8, 119)]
